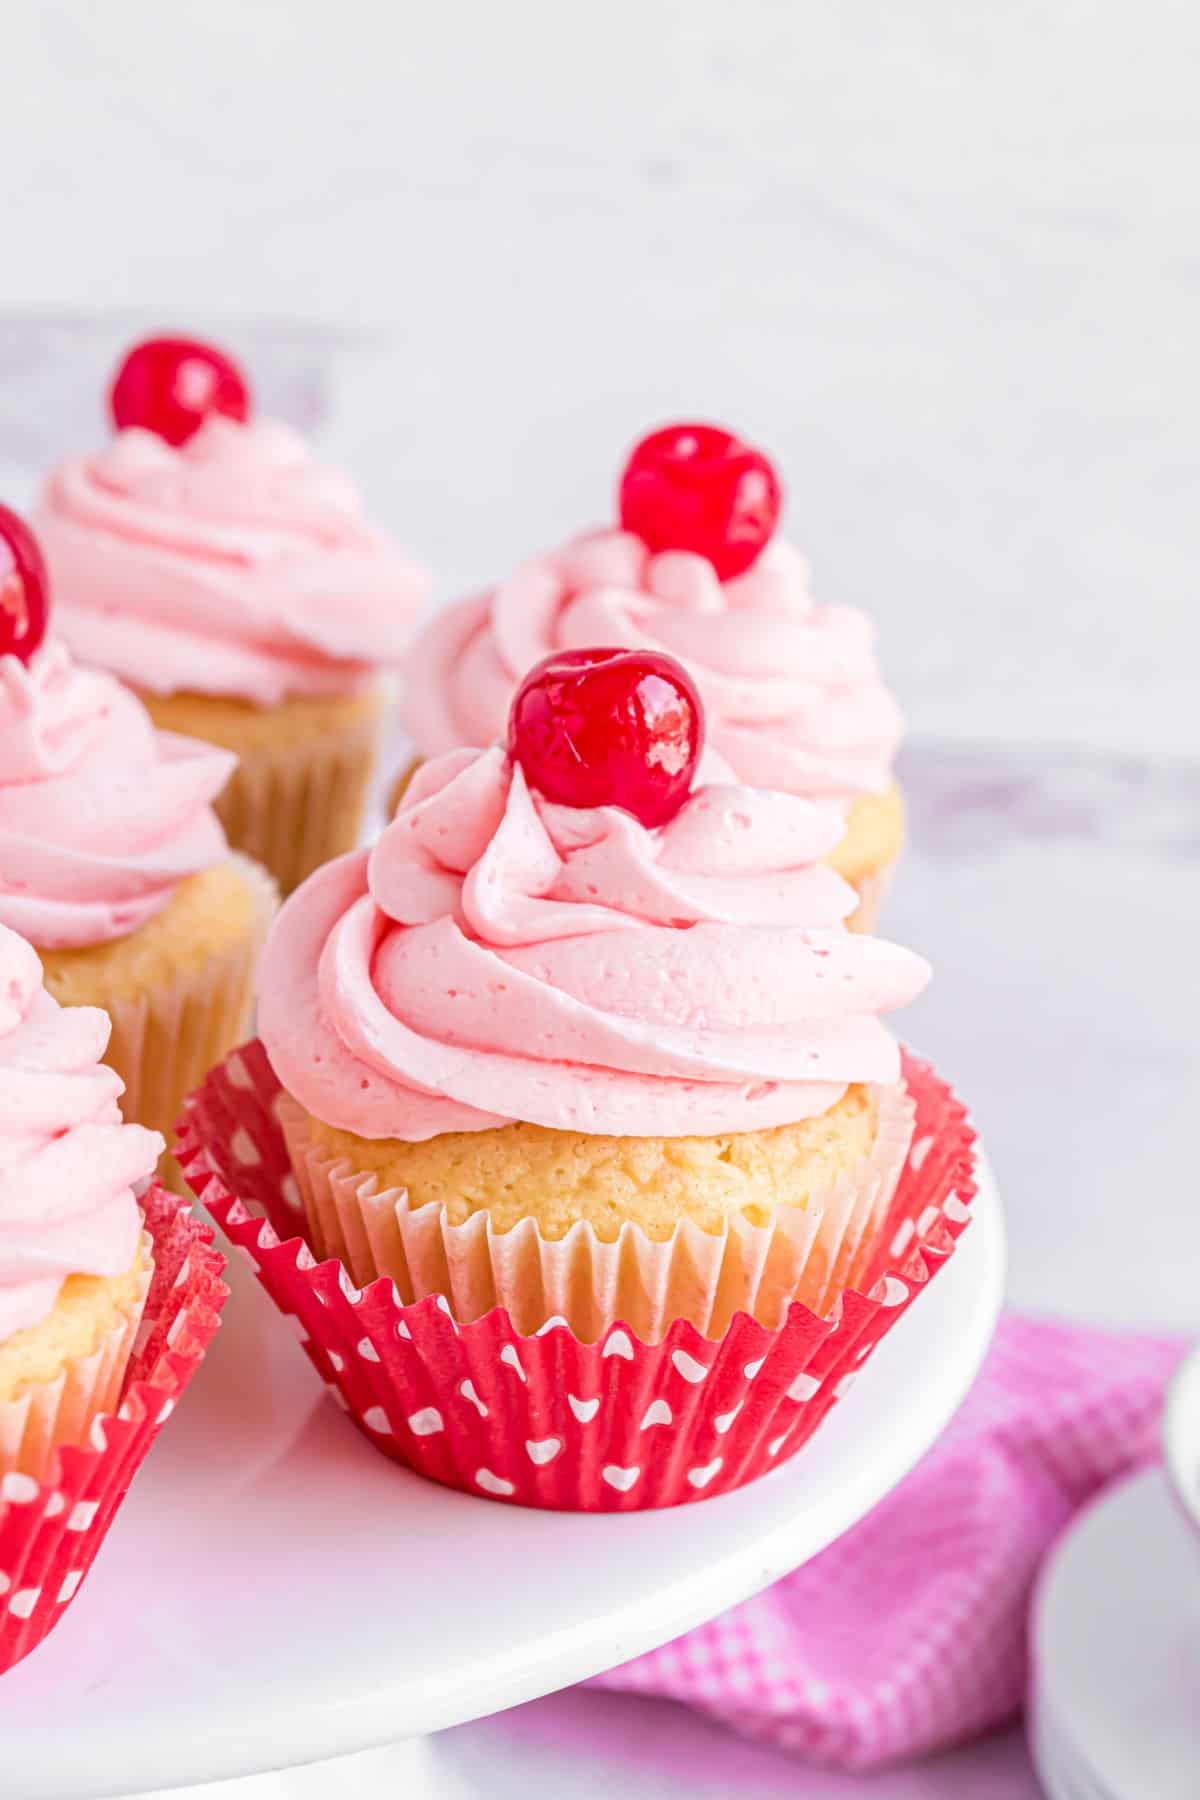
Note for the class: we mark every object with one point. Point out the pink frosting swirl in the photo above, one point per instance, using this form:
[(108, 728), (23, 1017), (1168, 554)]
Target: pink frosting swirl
[(101, 816), (793, 695), (496, 957), (233, 564), (67, 1163)]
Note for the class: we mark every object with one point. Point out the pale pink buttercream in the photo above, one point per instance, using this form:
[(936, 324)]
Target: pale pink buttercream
[(101, 816), (496, 957), (793, 694), (232, 565), (67, 1163)]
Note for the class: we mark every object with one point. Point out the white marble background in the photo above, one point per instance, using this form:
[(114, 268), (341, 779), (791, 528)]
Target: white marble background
[(944, 260)]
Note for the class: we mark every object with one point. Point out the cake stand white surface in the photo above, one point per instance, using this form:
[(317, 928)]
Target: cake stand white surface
[(1116, 1638), (275, 1592), (1116, 1631)]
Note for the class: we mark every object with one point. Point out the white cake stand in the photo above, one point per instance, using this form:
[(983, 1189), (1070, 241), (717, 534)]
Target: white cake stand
[(1115, 1711), (275, 1592)]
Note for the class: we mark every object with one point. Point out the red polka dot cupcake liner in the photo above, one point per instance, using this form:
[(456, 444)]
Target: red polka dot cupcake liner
[(545, 1420), (51, 1530)]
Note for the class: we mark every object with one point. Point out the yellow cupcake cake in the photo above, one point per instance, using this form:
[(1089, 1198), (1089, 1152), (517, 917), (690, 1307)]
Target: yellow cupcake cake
[(299, 793), (559, 1178)]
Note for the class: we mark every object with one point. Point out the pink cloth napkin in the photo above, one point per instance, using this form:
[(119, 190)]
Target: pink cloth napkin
[(909, 1633)]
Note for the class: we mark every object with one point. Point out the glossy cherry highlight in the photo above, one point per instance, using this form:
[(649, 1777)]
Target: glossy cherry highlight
[(170, 385), (700, 488), (24, 588), (609, 728)]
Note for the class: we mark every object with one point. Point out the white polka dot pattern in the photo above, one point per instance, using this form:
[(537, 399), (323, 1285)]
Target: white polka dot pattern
[(467, 1390), (920, 1150), (543, 1450), (619, 1478), (244, 1148), (688, 1367), (804, 1387), (700, 1478), (494, 1484), (903, 1238), (549, 1420), (425, 1422)]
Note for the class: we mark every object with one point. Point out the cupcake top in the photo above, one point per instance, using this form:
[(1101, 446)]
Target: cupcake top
[(67, 1163), (101, 816), (224, 562), (794, 696), (498, 956)]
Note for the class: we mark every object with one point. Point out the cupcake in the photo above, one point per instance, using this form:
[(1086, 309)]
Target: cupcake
[(204, 558), (75, 1265), (112, 861), (793, 693), (585, 1036), (110, 1292)]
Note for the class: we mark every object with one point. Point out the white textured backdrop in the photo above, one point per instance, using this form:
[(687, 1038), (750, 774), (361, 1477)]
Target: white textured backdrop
[(944, 260)]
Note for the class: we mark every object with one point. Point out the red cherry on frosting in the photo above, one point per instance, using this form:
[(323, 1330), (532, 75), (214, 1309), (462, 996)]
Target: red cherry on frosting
[(170, 385), (609, 728), (697, 487), (24, 589)]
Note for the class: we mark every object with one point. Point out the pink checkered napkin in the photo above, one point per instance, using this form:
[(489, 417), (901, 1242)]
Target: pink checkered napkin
[(909, 1633)]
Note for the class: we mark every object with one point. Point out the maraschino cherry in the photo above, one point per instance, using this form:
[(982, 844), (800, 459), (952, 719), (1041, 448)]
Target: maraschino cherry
[(609, 728), (698, 487), (170, 385), (24, 589)]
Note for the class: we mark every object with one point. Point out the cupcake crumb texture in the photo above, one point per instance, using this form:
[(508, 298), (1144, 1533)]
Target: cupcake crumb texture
[(561, 1177)]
